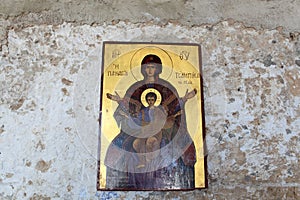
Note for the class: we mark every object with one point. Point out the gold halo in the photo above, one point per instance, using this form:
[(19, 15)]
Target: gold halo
[(139, 54), (145, 92)]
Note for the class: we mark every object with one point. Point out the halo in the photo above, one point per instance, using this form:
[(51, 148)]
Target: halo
[(145, 92), (138, 56)]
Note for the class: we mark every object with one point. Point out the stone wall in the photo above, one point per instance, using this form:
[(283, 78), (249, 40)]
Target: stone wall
[(49, 72)]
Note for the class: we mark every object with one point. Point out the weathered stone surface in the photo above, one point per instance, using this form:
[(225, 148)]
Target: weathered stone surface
[(50, 60), (49, 110), (257, 13)]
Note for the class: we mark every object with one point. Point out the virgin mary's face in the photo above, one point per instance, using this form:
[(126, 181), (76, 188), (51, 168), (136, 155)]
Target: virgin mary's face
[(150, 69)]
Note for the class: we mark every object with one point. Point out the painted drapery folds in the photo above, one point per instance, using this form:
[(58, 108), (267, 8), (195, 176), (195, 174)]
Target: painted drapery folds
[(151, 120)]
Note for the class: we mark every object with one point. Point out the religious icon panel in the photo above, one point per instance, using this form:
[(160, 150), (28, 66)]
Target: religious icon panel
[(151, 119)]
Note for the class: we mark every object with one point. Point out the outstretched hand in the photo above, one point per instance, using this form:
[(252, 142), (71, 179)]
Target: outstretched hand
[(189, 95), (114, 97)]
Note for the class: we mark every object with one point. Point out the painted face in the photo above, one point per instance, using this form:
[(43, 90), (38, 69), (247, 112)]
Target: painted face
[(151, 101), (150, 69)]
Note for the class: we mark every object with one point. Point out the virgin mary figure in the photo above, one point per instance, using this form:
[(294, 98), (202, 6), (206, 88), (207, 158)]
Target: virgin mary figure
[(151, 152)]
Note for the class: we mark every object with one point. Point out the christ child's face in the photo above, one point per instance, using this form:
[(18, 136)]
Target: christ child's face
[(151, 101)]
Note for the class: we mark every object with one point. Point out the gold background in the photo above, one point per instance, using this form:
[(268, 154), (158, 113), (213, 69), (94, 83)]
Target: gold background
[(129, 58)]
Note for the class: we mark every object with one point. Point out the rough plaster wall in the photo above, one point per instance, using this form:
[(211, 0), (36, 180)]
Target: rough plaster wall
[(49, 73)]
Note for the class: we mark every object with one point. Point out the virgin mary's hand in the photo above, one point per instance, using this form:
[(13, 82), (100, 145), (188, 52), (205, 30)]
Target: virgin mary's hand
[(114, 97), (189, 95)]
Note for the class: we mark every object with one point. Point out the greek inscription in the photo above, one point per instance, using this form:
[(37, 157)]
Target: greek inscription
[(187, 82), (116, 53), (117, 73), (184, 55), (116, 66), (187, 75)]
